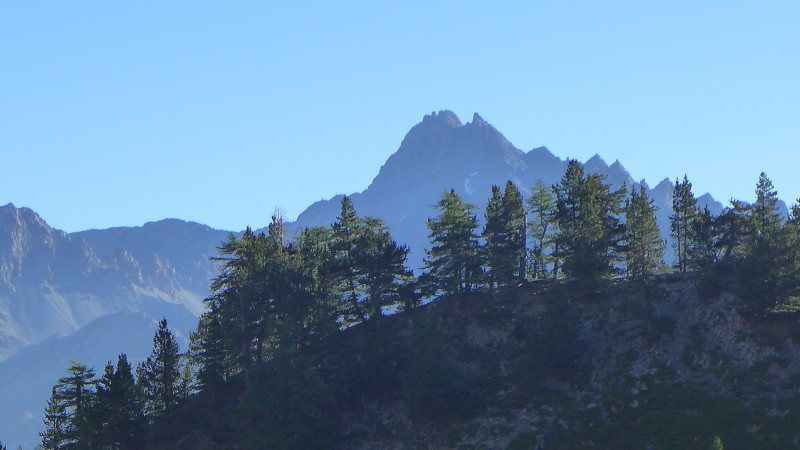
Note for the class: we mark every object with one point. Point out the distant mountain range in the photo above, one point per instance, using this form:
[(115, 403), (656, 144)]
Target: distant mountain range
[(441, 153), (93, 294)]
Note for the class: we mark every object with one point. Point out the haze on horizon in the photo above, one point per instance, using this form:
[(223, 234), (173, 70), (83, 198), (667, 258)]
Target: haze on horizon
[(115, 114)]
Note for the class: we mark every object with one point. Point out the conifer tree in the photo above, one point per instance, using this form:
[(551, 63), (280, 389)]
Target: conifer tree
[(126, 410), (238, 296), (76, 392), (56, 423), (505, 234), (515, 243), (453, 262), (588, 218), (494, 232), (346, 230), (702, 249), (316, 260), (159, 374), (794, 214), (116, 414), (684, 212), (732, 228), (187, 384), (208, 352), (645, 249), (380, 266), (102, 409), (768, 266), (284, 291), (766, 217), (542, 229)]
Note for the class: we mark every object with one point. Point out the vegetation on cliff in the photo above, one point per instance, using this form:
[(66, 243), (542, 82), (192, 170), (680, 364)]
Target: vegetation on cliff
[(578, 339)]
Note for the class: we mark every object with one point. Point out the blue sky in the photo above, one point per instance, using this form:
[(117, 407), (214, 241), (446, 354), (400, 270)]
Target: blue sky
[(117, 113)]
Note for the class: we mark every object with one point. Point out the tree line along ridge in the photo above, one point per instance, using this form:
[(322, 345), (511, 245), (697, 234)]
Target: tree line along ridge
[(274, 297)]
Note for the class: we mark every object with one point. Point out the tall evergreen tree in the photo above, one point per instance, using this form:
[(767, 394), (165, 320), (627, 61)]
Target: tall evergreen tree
[(126, 408), (239, 297), (453, 262), (645, 249), (702, 244), (504, 236), (316, 256), (346, 231), (516, 221), (159, 374), (768, 271), (684, 212), (56, 424), (732, 228), (542, 229), (76, 391), (102, 409), (588, 218), (765, 214), (208, 353), (494, 233), (380, 266)]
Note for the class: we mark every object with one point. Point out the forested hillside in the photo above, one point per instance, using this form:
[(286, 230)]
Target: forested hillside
[(556, 324)]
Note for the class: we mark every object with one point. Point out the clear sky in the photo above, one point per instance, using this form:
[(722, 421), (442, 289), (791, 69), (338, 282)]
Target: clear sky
[(119, 113)]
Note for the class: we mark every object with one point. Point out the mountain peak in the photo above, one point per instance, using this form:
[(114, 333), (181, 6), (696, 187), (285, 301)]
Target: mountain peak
[(443, 118), (665, 184), (477, 120), (595, 164)]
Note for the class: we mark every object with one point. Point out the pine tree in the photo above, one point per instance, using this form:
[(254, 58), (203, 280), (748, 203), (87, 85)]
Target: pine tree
[(56, 423), (494, 231), (238, 296), (102, 409), (504, 235), (127, 413), (515, 243), (346, 230), (208, 352), (645, 249), (187, 384), (316, 259), (159, 375), (702, 244), (794, 214), (767, 266), (684, 212), (453, 263), (732, 229), (588, 218), (542, 229), (380, 264), (766, 217), (76, 392)]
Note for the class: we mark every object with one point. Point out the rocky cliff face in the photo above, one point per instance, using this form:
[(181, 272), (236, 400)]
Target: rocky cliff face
[(53, 283), (45, 279)]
